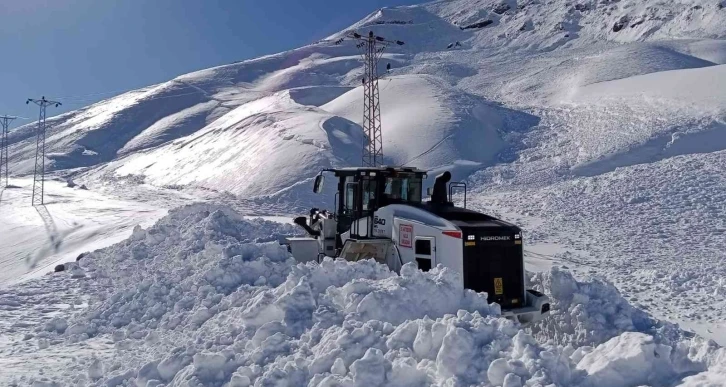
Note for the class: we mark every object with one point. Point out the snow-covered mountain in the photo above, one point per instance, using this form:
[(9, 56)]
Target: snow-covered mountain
[(526, 55), (599, 126)]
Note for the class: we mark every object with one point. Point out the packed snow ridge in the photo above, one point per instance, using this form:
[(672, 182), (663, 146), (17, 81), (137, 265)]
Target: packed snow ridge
[(207, 298)]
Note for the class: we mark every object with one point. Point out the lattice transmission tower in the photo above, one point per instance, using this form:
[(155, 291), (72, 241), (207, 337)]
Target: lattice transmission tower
[(39, 175), (372, 47), (5, 125)]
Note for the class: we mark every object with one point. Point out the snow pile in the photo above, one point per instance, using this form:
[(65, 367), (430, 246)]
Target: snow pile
[(633, 359), (617, 344), (589, 313), (203, 247), (206, 298)]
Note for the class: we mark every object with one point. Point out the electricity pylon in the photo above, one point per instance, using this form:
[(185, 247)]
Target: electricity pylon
[(5, 123), (39, 175), (372, 47)]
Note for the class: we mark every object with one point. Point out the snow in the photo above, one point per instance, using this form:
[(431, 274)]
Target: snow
[(588, 313), (597, 126), (543, 26), (450, 127), (710, 50), (72, 221), (278, 134), (650, 228), (495, 59), (699, 87), (179, 303), (632, 358)]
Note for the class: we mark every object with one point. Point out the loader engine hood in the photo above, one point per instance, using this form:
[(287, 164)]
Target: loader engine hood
[(493, 255)]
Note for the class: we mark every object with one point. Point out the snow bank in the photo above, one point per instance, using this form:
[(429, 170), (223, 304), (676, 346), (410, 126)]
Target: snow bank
[(629, 358), (630, 347), (170, 274), (207, 298), (590, 313)]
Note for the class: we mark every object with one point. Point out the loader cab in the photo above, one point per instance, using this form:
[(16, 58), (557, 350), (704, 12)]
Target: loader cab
[(362, 191)]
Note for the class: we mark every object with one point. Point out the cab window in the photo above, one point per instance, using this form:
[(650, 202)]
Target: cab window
[(369, 194), (403, 189), (349, 193)]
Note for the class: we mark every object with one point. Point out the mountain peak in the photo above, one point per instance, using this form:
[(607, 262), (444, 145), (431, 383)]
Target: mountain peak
[(536, 24)]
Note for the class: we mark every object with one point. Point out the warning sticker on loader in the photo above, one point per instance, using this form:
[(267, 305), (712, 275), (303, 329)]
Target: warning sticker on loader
[(405, 235), (498, 286)]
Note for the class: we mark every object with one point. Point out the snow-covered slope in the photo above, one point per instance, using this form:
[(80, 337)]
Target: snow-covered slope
[(71, 222), (547, 24), (680, 112), (449, 127), (259, 147)]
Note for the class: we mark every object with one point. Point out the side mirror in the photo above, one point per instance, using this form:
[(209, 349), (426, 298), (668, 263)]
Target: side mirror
[(318, 186), (430, 191)]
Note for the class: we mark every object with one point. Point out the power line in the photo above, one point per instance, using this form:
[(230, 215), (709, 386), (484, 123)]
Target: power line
[(81, 98), (5, 123), (372, 47), (82, 102), (87, 101), (39, 175)]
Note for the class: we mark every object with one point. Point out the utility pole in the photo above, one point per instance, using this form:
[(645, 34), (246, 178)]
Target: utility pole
[(372, 47), (5, 123), (39, 175)]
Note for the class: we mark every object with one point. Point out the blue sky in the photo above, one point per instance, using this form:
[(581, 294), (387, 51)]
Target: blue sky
[(81, 51)]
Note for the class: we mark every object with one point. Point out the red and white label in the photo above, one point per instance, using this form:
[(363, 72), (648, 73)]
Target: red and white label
[(405, 235)]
